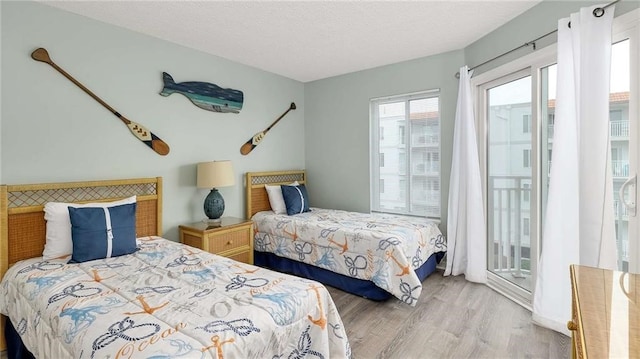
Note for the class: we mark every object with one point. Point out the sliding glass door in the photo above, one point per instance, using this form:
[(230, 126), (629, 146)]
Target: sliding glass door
[(509, 168), (516, 117)]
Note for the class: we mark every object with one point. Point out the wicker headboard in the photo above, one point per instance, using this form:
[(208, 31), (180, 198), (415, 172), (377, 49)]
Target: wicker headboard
[(22, 224), (257, 199)]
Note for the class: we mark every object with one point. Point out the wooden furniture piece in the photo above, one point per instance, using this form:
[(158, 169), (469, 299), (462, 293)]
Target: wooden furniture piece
[(605, 313), (233, 238), (257, 198), (22, 224)]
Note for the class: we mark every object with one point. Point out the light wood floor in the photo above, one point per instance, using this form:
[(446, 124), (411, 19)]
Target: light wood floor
[(452, 319)]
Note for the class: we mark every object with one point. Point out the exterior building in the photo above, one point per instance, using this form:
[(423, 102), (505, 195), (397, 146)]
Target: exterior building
[(410, 162), (509, 181)]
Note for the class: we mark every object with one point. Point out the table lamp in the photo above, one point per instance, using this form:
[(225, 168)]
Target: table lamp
[(213, 175)]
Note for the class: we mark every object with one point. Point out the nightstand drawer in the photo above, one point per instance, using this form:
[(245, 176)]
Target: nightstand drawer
[(230, 240), (244, 257)]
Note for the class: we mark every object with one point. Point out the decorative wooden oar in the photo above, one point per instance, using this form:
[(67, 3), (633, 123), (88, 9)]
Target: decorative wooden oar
[(253, 141), (138, 130)]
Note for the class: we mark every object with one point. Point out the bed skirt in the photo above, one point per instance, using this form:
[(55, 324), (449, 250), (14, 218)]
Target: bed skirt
[(359, 287), (15, 347)]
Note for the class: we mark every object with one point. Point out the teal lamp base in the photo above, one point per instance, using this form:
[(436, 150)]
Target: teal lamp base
[(214, 205)]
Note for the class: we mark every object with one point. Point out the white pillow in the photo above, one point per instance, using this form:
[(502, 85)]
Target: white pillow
[(275, 198), (58, 241)]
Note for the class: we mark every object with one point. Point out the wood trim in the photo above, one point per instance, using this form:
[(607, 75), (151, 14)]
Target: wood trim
[(256, 196), (79, 184), (159, 196), (4, 233)]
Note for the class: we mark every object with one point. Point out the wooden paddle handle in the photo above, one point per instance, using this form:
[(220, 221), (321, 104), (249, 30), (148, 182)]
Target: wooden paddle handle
[(248, 146), (143, 134)]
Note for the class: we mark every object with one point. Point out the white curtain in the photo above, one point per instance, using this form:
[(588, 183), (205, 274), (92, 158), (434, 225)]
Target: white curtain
[(579, 222), (466, 234)]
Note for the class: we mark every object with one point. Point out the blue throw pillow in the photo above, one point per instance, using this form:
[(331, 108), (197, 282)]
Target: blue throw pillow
[(296, 199), (99, 233)]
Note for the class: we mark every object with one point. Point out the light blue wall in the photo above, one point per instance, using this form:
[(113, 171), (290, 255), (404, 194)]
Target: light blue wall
[(52, 131), (337, 126), (537, 21)]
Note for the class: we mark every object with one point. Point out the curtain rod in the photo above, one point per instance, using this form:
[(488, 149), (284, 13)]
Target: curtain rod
[(597, 12)]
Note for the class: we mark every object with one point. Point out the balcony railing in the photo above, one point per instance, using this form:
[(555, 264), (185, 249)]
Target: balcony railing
[(509, 211), (425, 140), (432, 167), (508, 203), (620, 168), (619, 129), (620, 211)]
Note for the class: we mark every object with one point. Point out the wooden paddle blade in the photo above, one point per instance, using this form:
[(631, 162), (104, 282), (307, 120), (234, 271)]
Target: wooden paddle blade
[(41, 55), (161, 147), (149, 139), (247, 148), (252, 143)]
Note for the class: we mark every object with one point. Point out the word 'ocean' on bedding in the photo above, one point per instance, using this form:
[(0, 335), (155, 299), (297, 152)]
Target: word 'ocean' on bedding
[(169, 300)]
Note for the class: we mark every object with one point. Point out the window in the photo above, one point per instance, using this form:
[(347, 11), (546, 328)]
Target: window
[(525, 226), (526, 192), (526, 158), (615, 115), (413, 183), (381, 133), (526, 123)]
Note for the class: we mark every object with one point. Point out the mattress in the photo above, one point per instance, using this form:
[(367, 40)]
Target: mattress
[(169, 300), (381, 248)]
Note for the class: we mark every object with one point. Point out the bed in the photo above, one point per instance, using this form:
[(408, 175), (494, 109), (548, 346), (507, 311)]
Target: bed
[(376, 256), (162, 300)]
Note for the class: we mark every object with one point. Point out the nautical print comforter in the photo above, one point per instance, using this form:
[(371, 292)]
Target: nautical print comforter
[(382, 248), (169, 301)]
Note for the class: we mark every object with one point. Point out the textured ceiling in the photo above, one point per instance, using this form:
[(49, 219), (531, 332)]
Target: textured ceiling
[(309, 40)]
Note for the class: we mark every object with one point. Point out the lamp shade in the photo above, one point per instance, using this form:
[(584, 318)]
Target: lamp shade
[(215, 174)]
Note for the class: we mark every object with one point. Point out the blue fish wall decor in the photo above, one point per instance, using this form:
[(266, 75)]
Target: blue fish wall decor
[(205, 95)]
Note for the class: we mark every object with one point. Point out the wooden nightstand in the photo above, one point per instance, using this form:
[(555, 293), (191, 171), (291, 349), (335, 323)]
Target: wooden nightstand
[(233, 238)]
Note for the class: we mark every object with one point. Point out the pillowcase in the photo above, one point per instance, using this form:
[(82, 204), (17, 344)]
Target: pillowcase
[(58, 231), (296, 199), (102, 232), (275, 198)]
